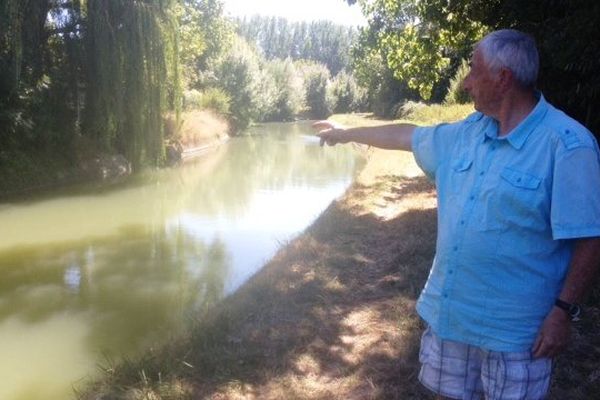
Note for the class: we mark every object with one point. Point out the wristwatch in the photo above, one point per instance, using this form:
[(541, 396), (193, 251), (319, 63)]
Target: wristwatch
[(573, 310)]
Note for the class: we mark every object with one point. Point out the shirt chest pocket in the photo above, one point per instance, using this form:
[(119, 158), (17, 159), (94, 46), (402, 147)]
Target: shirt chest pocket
[(517, 200), (459, 176), (520, 180)]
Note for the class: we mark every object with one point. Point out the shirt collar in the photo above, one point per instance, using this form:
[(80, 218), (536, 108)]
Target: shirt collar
[(518, 136)]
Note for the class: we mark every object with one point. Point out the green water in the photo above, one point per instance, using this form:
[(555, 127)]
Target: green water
[(91, 275)]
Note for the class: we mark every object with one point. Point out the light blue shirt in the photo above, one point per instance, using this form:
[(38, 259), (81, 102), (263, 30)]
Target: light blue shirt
[(506, 209)]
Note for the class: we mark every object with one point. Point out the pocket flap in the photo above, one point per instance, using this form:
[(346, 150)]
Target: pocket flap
[(462, 165), (520, 179)]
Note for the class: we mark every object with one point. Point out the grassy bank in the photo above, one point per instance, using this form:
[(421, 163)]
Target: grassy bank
[(332, 315)]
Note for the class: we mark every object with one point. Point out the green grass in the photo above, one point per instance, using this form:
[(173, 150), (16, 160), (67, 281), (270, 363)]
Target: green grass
[(435, 113), (417, 113)]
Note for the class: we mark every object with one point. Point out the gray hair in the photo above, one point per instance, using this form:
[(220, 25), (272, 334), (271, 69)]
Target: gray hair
[(512, 49)]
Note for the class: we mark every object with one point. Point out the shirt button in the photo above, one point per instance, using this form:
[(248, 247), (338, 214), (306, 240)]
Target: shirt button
[(451, 271), (455, 248), (445, 295), (472, 197), (481, 173), (462, 222)]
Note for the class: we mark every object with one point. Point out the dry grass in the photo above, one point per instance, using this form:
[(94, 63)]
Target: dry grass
[(332, 315), (198, 128)]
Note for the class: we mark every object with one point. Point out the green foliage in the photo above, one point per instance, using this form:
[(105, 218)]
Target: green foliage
[(129, 44), (569, 61), (192, 100), (237, 73), (217, 100), (40, 77), (108, 70), (348, 96), (212, 98), (418, 46), (316, 76), (423, 41), (371, 70), (205, 35), (456, 94), (287, 99)]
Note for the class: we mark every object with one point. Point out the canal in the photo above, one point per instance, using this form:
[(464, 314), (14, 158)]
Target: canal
[(93, 274)]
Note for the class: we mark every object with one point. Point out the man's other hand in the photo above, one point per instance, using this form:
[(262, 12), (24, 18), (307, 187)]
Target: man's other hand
[(554, 334)]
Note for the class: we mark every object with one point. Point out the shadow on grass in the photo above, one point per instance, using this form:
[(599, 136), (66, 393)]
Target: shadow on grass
[(306, 320)]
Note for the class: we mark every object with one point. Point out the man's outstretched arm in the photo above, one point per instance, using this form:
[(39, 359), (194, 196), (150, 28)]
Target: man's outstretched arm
[(392, 137)]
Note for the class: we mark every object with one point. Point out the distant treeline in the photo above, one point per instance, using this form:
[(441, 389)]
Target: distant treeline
[(320, 41)]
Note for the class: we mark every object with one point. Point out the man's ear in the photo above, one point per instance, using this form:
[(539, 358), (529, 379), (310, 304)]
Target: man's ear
[(506, 78)]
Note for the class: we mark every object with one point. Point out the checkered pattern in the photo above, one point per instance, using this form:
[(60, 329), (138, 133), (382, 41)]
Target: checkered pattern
[(461, 371)]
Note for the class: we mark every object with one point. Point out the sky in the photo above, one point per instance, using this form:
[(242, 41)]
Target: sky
[(337, 11)]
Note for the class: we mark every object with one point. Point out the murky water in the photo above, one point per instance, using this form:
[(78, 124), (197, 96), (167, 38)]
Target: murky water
[(95, 275)]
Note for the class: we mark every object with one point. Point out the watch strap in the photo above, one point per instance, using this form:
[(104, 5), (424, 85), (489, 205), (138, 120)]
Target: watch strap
[(573, 310), (563, 304)]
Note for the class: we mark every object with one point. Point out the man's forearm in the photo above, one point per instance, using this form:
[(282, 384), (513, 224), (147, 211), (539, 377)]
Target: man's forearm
[(554, 332), (392, 137), (582, 270)]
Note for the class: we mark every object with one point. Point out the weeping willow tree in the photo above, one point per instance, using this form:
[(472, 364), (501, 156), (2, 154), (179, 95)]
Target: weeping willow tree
[(21, 31), (11, 48), (133, 75), (22, 35)]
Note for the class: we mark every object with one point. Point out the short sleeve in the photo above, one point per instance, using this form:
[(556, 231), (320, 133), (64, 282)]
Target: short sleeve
[(431, 144), (575, 211)]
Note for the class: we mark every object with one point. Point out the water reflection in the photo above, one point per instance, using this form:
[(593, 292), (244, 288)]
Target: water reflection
[(94, 274)]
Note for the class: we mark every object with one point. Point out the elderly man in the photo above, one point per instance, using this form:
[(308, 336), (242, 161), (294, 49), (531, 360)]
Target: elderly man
[(518, 242)]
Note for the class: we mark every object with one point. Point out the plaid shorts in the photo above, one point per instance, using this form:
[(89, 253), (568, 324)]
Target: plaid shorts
[(461, 371)]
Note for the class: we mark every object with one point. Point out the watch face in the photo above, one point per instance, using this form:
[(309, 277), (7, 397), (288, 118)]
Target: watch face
[(575, 312)]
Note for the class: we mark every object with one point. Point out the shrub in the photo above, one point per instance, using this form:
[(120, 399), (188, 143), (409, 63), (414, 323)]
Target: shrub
[(319, 103), (287, 100), (237, 74), (456, 94), (214, 99), (217, 100), (349, 97), (408, 109), (192, 99)]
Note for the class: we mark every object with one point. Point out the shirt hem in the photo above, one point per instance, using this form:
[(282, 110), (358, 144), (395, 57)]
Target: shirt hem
[(575, 233)]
